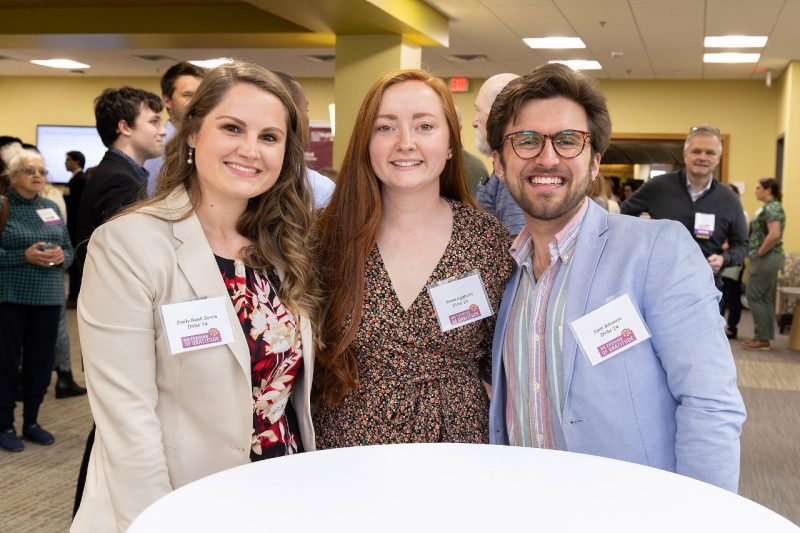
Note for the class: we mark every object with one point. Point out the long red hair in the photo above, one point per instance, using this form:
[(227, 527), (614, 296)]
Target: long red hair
[(349, 229)]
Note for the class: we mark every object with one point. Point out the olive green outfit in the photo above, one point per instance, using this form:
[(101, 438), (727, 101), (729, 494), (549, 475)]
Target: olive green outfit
[(762, 284)]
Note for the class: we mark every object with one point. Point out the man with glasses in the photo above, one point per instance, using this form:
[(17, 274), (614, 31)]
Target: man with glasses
[(711, 212), (608, 339)]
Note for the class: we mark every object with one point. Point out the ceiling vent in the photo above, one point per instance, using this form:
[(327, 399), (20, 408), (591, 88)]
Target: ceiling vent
[(321, 58), (468, 58), (154, 57)]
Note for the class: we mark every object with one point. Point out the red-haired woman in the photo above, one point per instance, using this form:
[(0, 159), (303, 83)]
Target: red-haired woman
[(412, 272)]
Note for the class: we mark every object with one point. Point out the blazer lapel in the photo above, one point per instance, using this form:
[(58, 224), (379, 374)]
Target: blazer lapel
[(196, 261), (589, 247)]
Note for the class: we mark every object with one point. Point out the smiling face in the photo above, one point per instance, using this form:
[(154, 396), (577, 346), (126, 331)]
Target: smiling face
[(410, 139), (26, 184), (240, 145), (702, 155), (548, 187)]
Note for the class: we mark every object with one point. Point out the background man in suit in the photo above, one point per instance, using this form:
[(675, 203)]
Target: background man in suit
[(608, 339), (74, 163), (178, 85), (129, 124)]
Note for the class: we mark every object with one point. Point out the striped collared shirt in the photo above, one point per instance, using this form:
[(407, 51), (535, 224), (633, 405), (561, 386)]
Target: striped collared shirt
[(533, 339)]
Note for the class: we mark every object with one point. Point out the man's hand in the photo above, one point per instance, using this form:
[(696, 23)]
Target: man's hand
[(715, 261)]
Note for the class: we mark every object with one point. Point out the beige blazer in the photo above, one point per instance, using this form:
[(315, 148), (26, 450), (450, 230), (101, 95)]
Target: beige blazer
[(162, 420)]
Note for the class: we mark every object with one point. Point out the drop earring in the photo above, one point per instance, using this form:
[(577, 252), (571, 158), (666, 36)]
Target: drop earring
[(191, 154)]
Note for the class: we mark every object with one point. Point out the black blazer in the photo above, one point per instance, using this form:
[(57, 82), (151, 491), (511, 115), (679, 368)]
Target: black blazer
[(113, 186), (72, 197)]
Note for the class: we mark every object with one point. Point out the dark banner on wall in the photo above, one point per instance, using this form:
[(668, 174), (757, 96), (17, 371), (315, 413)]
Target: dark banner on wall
[(319, 152)]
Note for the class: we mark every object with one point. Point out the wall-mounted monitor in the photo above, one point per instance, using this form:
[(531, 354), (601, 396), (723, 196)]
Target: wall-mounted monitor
[(55, 141)]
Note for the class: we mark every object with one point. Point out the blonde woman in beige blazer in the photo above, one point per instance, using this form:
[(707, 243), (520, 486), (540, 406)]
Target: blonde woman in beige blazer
[(232, 186)]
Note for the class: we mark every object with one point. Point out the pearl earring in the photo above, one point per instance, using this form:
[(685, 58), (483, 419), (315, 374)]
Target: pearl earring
[(191, 154), (449, 154)]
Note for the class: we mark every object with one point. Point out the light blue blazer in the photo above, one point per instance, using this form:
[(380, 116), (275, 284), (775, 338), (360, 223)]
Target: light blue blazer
[(670, 402)]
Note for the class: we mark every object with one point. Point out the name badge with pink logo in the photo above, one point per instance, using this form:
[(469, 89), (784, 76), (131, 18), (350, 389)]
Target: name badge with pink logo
[(460, 300), (196, 324), (49, 216), (610, 330)]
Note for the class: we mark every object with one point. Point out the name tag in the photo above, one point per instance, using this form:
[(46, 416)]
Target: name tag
[(704, 225), (196, 324), (49, 216), (460, 300), (609, 330)]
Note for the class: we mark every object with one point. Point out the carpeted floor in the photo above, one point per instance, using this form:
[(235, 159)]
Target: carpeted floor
[(38, 484)]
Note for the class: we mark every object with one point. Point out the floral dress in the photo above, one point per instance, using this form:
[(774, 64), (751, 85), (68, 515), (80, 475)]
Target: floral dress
[(417, 383), (276, 357)]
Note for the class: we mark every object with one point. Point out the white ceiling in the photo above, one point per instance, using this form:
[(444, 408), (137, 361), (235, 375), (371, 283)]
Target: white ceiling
[(652, 39)]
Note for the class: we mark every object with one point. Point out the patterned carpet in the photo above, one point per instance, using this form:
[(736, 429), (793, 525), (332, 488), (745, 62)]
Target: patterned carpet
[(38, 484)]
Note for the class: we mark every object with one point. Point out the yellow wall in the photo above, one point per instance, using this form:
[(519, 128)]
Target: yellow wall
[(28, 101), (789, 126)]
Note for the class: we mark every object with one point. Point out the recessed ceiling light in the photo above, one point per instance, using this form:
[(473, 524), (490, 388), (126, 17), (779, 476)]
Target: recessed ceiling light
[(579, 64), (731, 57), (558, 43), (211, 63), (59, 63), (735, 41)]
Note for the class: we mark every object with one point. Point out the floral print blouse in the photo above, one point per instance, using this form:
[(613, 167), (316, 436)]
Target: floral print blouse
[(773, 210), (276, 357), (417, 383)]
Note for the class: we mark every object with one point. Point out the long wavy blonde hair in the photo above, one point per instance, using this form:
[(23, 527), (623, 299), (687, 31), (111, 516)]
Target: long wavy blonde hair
[(278, 222)]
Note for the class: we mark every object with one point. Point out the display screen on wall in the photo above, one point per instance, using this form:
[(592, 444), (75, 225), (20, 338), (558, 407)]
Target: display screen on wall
[(55, 141)]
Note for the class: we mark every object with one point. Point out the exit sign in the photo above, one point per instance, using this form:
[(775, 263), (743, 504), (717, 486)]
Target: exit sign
[(459, 85)]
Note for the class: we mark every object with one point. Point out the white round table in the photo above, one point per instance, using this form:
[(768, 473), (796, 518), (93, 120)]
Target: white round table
[(452, 487)]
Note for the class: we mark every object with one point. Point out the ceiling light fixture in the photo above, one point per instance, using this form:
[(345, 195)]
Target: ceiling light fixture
[(211, 63), (735, 41), (554, 43), (731, 57), (59, 63), (579, 64)]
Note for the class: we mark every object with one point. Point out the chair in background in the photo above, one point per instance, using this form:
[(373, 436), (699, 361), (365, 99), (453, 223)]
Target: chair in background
[(789, 276)]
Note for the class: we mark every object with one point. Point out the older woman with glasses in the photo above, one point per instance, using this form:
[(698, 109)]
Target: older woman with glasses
[(34, 251)]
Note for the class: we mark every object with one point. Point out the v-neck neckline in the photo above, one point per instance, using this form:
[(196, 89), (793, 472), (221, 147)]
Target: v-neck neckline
[(384, 272)]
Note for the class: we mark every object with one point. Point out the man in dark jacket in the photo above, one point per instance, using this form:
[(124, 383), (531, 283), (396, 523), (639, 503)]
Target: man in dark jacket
[(711, 212), (129, 124), (74, 163)]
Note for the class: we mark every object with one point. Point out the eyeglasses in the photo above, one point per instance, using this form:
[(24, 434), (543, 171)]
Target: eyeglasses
[(568, 144), (704, 128), (31, 171)]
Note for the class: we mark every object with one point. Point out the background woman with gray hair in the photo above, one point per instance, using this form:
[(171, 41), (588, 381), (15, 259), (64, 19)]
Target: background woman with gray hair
[(34, 251)]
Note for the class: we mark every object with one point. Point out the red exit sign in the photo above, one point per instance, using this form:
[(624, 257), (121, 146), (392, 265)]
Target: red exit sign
[(459, 85)]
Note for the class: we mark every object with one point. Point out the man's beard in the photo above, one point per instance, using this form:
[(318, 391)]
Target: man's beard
[(481, 144), (551, 209)]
